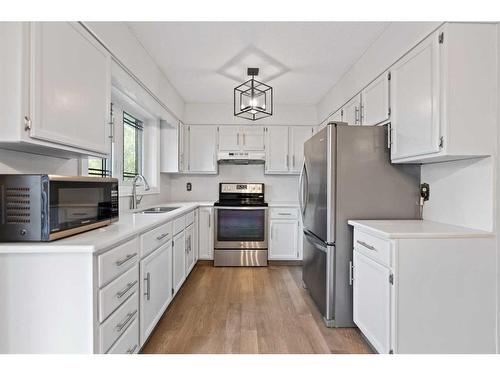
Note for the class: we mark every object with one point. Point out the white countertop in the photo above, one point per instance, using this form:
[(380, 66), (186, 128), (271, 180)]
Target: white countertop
[(394, 229), (98, 240)]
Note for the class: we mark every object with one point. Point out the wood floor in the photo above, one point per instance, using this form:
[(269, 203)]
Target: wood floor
[(248, 310)]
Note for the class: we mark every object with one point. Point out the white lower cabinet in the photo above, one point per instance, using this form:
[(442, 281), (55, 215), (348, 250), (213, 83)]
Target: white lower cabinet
[(128, 343), (284, 234), (423, 287), (189, 234), (372, 301), (178, 261), (156, 287), (206, 233)]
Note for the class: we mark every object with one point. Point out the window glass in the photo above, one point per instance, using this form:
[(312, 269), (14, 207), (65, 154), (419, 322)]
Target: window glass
[(132, 146)]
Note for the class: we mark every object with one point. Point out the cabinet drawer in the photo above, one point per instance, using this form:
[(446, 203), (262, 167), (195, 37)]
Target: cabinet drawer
[(118, 322), (116, 292), (373, 247), (155, 238), (189, 218), (284, 213), (128, 343), (117, 260), (179, 224)]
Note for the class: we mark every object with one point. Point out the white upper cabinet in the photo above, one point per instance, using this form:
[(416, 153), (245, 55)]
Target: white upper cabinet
[(336, 117), (351, 111), (277, 147), (375, 101), (415, 100), (241, 138), (444, 96), (200, 146), (229, 138), (171, 150), (60, 79), (298, 135), (253, 138)]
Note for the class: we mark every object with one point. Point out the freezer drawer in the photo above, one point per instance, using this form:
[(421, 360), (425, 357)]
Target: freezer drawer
[(314, 271)]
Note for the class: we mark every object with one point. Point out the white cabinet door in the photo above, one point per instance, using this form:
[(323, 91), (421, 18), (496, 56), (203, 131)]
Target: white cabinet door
[(196, 235), (70, 90), (156, 288), (189, 262), (178, 261), (415, 101), (351, 111), (230, 138), (375, 105), (283, 239), (277, 158), (253, 138), (298, 135), (170, 146), (372, 301), (206, 233), (202, 145)]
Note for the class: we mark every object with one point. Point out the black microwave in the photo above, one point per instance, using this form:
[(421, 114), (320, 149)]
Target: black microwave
[(48, 207)]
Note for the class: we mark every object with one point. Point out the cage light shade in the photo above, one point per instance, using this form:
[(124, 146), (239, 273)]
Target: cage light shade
[(253, 100)]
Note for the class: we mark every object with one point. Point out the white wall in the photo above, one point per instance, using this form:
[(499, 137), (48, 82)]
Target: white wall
[(205, 187), (120, 40), (19, 162), (219, 114), (394, 42)]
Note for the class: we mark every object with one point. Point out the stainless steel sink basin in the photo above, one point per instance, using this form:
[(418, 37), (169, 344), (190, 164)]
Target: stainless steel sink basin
[(158, 210)]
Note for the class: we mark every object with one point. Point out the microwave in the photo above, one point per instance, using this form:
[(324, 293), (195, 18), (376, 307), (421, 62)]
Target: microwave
[(47, 207)]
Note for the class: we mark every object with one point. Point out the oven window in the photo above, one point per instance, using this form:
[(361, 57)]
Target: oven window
[(241, 225), (73, 204)]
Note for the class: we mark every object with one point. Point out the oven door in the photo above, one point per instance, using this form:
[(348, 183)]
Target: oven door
[(241, 227)]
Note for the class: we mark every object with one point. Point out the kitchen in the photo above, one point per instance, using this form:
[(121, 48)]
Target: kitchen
[(357, 216)]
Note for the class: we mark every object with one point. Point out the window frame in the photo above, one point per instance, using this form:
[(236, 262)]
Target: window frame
[(138, 125)]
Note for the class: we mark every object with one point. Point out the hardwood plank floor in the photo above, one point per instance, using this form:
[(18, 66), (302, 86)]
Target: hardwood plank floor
[(248, 310)]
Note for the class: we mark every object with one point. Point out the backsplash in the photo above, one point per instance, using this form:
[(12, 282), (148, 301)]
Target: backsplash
[(206, 187)]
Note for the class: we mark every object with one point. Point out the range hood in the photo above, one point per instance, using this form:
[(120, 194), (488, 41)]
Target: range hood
[(241, 157)]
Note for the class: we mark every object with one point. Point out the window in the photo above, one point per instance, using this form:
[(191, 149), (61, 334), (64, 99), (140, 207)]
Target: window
[(99, 167), (133, 130)]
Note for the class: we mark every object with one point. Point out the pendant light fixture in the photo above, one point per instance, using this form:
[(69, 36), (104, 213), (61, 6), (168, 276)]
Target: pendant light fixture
[(253, 100)]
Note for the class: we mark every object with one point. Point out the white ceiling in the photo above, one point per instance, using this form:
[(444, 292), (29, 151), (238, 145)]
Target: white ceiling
[(301, 60)]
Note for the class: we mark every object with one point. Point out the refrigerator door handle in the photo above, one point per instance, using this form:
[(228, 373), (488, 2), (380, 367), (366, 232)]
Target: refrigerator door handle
[(301, 190)]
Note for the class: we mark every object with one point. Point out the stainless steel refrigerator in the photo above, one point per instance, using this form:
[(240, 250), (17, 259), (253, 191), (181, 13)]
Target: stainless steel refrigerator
[(346, 175)]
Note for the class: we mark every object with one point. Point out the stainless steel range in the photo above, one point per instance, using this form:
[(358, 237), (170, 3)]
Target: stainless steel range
[(240, 225)]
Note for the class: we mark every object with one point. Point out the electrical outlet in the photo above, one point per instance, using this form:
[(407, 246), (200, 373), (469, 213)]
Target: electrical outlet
[(425, 191), (189, 187)]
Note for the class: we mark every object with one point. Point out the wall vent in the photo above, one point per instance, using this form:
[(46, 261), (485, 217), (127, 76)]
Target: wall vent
[(17, 205)]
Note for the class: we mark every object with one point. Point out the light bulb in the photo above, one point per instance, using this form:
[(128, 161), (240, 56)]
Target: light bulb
[(253, 102)]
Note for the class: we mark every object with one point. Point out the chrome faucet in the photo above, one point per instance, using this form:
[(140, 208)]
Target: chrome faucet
[(134, 202)]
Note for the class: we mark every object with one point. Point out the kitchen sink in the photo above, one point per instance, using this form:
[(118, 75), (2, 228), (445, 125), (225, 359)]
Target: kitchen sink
[(158, 210)]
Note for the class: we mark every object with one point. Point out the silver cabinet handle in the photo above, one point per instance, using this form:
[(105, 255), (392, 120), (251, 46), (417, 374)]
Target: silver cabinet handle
[(162, 236), (284, 214), (238, 139), (148, 286), (293, 161), (126, 259), (287, 160), (129, 317), (356, 115), (244, 139), (127, 288), (369, 247), (132, 349)]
